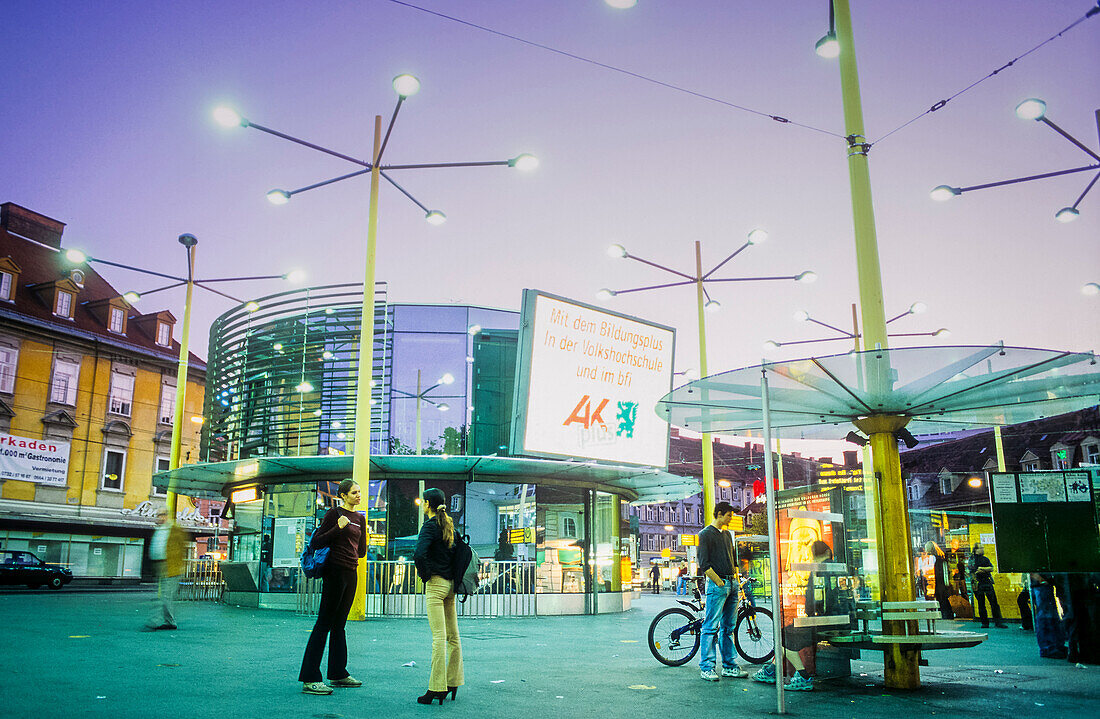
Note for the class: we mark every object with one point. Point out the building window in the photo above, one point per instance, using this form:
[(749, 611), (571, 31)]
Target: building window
[(569, 527), (117, 321), (63, 387), (1030, 466), (122, 393), (114, 463), (1092, 453), (6, 285), (63, 305), (164, 334), (163, 463), (167, 404), (9, 357)]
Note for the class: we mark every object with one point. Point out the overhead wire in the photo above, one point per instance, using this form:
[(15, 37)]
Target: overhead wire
[(940, 104), (620, 70)]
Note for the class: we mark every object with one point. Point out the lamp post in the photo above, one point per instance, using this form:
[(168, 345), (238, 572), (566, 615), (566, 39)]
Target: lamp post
[(404, 86), (705, 304), (802, 316), (422, 396), (189, 282), (1035, 109)]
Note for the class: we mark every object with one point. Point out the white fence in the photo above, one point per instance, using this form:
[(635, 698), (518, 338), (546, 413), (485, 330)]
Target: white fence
[(507, 589), (201, 581)]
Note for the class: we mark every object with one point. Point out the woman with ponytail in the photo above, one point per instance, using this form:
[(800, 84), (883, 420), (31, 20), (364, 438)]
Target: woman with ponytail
[(434, 557)]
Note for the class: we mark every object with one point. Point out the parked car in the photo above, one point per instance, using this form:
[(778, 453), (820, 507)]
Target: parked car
[(25, 568)]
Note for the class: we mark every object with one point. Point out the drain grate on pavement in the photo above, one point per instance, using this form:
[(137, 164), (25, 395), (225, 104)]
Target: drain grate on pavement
[(486, 635)]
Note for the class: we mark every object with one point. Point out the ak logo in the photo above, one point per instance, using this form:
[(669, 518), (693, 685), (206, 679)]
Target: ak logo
[(585, 415)]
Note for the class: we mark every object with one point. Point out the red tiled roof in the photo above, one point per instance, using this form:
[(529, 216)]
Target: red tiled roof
[(40, 264)]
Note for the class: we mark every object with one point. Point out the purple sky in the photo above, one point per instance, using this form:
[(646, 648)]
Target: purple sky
[(107, 127)]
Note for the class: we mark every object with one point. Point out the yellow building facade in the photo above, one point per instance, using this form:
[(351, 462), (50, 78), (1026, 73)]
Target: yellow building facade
[(87, 392)]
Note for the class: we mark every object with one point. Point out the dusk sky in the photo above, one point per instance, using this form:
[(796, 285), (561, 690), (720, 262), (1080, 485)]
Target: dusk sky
[(106, 119)]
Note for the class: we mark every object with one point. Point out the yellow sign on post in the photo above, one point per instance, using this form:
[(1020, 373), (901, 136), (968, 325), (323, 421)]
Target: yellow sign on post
[(666, 552), (521, 535), (377, 540), (689, 540), (737, 523)]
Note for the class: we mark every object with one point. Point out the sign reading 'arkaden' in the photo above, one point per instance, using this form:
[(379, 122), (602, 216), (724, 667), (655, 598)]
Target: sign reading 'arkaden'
[(45, 461)]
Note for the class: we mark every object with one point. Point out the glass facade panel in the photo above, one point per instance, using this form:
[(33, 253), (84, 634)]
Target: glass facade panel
[(605, 536), (562, 549), (430, 318), (493, 383), (436, 357)]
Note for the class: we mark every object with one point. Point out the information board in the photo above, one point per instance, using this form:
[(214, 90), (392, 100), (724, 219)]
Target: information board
[(1046, 521), (588, 383)]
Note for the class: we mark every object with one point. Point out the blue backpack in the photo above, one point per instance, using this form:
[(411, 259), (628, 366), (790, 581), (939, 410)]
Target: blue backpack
[(313, 561)]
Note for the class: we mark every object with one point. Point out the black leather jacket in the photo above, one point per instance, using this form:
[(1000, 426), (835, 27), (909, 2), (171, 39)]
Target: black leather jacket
[(432, 556)]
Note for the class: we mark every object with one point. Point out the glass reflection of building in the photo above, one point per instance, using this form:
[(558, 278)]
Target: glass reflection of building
[(282, 385)]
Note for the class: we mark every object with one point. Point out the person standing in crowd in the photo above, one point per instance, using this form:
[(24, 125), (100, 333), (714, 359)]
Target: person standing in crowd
[(681, 580), (1049, 632), (434, 557), (655, 576), (344, 532), (940, 590), (716, 562), (981, 572), (796, 639), (166, 550)]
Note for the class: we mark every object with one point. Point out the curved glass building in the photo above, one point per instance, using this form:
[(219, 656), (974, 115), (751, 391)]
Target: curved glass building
[(280, 418)]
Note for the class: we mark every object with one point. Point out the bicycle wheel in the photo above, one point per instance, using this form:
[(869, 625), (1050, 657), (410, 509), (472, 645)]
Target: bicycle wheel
[(754, 636), (674, 636)]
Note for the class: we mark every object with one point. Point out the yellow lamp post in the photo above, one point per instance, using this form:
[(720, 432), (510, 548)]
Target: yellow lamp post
[(189, 282), (704, 305), (405, 86)]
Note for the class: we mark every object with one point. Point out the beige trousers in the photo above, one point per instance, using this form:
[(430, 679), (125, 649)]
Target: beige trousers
[(439, 598)]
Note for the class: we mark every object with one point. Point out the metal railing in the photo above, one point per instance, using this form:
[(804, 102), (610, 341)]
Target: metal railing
[(507, 589), (201, 581)]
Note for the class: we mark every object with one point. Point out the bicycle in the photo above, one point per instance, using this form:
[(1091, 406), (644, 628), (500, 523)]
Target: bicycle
[(674, 633)]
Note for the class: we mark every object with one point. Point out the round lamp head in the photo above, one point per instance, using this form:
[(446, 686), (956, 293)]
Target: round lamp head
[(251, 306), (806, 277), (771, 346), (406, 85), (228, 117), (304, 387), (712, 306), (278, 197), (326, 355), (1091, 289), (917, 308), (435, 217), (295, 276), (1031, 109), (524, 162), (757, 236), (75, 256), (827, 46), (473, 329), (1067, 214), (447, 378), (801, 316), (621, 4), (942, 193), (605, 294), (131, 297), (443, 406), (616, 251), (942, 332), (974, 482)]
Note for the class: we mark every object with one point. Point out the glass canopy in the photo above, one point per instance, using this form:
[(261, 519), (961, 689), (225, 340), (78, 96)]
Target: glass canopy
[(940, 388)]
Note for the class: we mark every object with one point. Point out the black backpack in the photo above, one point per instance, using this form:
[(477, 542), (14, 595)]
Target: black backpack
[(465, 567)]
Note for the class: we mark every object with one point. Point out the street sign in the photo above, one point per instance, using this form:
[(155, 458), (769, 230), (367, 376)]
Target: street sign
[(666, 552), (689, 540), (737, 523), (377, 540), (521, 535)]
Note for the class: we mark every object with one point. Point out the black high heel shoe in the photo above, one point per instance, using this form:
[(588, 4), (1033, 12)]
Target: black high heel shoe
[(453, 691), (431, 697)]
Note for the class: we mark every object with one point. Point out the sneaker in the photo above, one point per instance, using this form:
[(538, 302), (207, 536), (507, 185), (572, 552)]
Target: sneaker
[(737, 672), (709, 675), (766, 674), (316, 688), (348, 681), (799, 683)]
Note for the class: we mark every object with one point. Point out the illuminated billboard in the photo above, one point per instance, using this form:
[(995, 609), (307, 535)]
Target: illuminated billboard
[(588, 381)]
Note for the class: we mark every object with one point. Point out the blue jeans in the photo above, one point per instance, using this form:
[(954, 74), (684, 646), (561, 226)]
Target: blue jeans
[(718, 625), (680, 586)]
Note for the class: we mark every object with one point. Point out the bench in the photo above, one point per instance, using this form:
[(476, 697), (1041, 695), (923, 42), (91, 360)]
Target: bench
[(909, 616)]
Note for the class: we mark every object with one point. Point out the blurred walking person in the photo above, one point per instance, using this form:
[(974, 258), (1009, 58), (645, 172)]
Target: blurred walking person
[(344, 532), (166, 550), (434, 558)]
